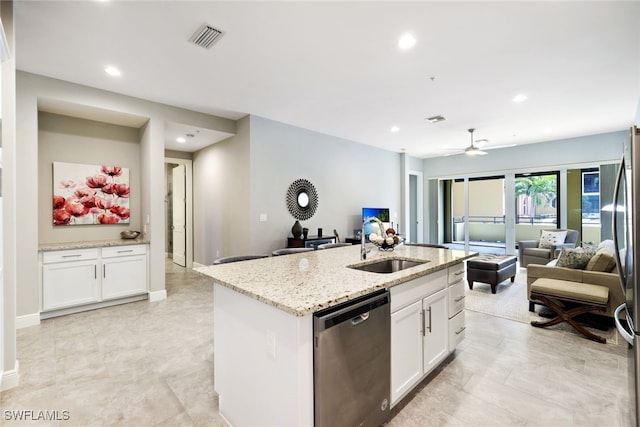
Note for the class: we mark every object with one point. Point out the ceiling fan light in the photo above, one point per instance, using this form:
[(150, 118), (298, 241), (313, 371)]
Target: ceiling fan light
[(474, 151)]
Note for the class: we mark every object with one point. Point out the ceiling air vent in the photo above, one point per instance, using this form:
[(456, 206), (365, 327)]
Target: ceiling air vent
[(206, 36), (435, 119)]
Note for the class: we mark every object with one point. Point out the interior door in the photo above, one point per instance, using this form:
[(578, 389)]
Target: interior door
[(178, 222)]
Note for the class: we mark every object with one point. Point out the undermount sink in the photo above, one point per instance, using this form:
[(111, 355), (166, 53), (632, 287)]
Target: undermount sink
[(390, 265)]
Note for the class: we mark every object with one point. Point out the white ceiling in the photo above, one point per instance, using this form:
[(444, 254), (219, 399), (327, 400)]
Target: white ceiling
[(334, 67)]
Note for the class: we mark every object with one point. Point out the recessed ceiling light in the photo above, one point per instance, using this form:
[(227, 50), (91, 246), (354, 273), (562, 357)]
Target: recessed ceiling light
[(395, 129), (181, 140), (520, 98), (112, 71), (407, 41)]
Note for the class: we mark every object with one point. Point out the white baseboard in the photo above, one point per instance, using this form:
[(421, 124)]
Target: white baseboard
[(198, 265), (10, 379), (157, 295), (27, 320)]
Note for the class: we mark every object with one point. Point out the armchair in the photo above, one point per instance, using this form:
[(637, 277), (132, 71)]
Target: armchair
[(530, 252)]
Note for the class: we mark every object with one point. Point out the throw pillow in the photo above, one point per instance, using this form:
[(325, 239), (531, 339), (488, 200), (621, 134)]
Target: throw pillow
[(576, 258), (550, 238), (601, 261)]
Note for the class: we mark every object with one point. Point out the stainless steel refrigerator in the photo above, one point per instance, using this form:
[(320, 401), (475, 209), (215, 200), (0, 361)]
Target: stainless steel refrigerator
[(625, 234)]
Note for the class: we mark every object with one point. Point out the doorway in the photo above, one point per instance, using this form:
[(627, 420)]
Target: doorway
[(178, 211)]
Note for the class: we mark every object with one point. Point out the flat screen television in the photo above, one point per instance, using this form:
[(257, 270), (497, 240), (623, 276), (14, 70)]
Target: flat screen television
[(381, 213)]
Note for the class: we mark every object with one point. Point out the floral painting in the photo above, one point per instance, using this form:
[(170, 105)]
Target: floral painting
[(90, 194)]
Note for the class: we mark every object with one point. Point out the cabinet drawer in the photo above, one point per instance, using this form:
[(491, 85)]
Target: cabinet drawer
[(409, 292), (457, 326), (455, 273), (115, 251), (456, 298), (69, 255)]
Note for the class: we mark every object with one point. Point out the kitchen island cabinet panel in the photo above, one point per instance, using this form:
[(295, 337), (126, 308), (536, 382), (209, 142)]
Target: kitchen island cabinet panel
[(263, 369), (406, 349), (435, 330)]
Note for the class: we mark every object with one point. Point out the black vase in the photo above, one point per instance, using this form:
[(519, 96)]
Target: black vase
[(296, 230)]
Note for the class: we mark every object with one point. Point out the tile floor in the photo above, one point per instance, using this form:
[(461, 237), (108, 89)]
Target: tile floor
[(151, 364)]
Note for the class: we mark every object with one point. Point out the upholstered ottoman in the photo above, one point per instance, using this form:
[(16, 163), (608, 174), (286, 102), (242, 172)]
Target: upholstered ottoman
[(492, 269)]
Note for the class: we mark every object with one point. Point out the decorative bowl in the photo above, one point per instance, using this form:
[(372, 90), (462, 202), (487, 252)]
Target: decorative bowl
[(129, 234)]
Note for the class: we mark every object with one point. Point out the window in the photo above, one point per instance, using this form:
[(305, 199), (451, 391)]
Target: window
[(536, 197), (590, 197)]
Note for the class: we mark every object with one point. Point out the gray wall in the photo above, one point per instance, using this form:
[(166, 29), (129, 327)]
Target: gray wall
[(102, 144), (221, 198), (237, 180), (347, 176)]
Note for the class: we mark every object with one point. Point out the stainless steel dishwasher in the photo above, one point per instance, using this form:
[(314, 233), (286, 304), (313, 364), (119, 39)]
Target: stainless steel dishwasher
[(352, 363)]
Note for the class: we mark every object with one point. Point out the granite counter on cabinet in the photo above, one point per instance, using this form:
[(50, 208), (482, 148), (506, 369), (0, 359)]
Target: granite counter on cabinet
[(59, 246), (263, 322), (307, 282)]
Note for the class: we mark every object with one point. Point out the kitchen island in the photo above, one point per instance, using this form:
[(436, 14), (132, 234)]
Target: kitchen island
[(263, 328)]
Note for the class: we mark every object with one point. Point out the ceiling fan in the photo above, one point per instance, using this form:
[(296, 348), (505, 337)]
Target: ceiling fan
[(473, 150)]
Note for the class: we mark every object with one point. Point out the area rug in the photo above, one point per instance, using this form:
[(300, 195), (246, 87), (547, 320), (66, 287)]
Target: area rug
[(510, 302)]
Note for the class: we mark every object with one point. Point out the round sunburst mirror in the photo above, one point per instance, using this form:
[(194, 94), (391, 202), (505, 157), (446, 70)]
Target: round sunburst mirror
[(302, 199)]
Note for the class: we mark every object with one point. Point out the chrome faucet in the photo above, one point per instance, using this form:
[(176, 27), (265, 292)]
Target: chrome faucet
[(363, 250)]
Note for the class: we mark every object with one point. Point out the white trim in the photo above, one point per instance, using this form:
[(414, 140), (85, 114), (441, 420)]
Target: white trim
[(198, 265), (157, 295), (10, 379), (27, 320), (419, 205)]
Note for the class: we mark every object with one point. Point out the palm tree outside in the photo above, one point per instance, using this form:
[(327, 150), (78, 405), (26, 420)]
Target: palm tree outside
[(539, 191)]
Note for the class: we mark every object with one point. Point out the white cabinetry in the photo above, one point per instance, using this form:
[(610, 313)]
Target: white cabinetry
[(69, 278), (423, 311), (82, 277), (124, 271), (435, 330), (406, 349), (456, 293), (419, 330)]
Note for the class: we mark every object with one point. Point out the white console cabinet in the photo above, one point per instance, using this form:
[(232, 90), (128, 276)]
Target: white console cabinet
[(124, 271), (69, 278), (79, 277), (421, 327)]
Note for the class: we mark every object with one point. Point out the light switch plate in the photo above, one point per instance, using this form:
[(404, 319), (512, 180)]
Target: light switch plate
[(263, 217)]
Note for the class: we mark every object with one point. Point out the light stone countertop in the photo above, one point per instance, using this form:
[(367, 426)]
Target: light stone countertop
[(45, 247), (307, 282)]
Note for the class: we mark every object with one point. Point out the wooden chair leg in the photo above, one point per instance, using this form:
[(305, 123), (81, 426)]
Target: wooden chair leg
[(568, 316)]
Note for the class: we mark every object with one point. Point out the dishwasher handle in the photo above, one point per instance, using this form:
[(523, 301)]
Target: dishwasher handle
[(355, 312), (359, 319)]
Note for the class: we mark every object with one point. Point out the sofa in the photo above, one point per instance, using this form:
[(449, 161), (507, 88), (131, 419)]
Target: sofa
[(598, 270)]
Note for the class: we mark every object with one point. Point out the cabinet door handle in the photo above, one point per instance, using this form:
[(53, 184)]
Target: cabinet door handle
[(104, 271), (429, 309), (460, 298), (423, 327), (457, 273), (95, 271), (71, 256), (125, 251), (461, 330)]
